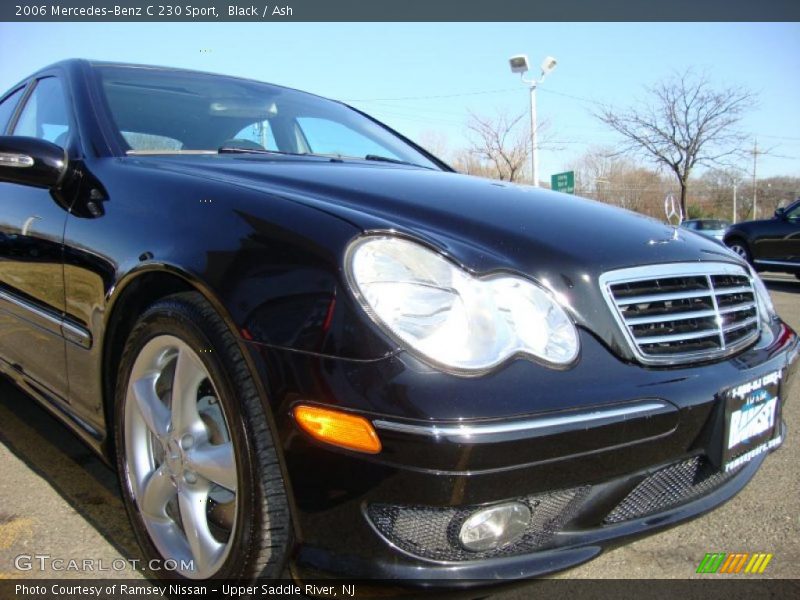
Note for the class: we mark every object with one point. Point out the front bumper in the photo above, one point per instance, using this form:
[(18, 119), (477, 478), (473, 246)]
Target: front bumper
[(587, 478)]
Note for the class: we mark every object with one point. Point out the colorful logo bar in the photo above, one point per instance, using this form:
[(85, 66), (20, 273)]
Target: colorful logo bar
[(741, 562)]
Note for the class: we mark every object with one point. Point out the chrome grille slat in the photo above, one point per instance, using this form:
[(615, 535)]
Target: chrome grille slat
[(740, 324), (660, 339), (662, 297), (683, 312), (737, 308), (680, 316), (736, 290)]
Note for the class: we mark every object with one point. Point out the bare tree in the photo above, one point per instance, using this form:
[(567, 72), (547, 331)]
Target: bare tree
[(685, 123), (604, 175), (501, 143), (435, 142), (465, 161)]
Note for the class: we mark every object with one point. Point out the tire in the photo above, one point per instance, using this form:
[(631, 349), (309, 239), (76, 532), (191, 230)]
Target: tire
[(740, 248), (194, 449)]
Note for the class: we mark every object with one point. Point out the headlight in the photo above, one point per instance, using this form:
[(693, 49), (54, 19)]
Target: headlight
[(766, 309), (449, 316)]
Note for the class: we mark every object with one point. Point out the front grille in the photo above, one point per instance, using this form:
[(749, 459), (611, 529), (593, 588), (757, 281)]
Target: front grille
[(681, 313), (670, 487), (432, 532)]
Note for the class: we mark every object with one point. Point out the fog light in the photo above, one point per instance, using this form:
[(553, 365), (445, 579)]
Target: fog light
[(496, 526)]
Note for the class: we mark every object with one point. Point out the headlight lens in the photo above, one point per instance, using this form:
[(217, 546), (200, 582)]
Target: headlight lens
[(766, 308), (450, 317)]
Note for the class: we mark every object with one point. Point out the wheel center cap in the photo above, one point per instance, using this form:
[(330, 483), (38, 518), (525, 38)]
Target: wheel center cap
[(174, 458)]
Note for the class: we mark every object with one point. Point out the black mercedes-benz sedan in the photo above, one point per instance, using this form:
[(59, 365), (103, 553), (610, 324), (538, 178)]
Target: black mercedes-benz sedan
[(305, 343), (769, 244)]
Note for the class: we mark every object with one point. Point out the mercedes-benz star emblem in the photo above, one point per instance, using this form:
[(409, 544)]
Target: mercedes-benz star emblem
[(674, 213), (673, 210)]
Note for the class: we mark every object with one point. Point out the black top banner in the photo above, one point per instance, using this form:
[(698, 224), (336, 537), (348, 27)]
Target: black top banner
[(400, 10)]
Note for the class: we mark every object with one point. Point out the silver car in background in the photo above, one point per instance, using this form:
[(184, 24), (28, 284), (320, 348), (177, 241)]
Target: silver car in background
[(714, 228)]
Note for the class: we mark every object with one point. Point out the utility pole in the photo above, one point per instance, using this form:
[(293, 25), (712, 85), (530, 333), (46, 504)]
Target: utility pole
[(733, 220), (534, 140), (755, 152)]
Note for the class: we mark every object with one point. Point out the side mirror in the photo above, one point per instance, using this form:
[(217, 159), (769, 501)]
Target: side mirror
[(780, 213), (31, 161)]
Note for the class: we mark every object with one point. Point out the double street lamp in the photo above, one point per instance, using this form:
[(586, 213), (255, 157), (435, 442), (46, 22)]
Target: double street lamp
[(519, 64)]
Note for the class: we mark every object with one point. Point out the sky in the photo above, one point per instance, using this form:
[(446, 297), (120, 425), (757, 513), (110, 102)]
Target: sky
[(424, 79)]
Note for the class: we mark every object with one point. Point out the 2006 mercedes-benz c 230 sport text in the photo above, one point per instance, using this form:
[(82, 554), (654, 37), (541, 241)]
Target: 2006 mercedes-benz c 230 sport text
[(304, 341)]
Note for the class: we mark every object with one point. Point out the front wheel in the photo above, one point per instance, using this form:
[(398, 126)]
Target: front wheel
[(197, 463), (740, 248)]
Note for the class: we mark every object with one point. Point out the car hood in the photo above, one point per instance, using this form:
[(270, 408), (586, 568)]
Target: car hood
[(560, 240), (510, 224)]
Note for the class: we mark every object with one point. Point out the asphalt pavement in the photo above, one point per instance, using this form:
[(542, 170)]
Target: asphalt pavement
[(58, 500)]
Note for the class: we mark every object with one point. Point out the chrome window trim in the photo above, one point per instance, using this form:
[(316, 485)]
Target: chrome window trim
[(681, 269), (540, 425)]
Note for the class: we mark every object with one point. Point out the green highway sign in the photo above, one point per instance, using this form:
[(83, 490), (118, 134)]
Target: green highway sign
[(563, 182)]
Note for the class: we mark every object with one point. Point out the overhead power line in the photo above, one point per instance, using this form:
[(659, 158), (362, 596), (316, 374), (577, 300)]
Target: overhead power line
[(459, 95), (463, 94), (516, 90)]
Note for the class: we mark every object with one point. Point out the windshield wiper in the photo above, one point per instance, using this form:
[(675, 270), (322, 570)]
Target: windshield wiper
[(236, 150), (397, 161)]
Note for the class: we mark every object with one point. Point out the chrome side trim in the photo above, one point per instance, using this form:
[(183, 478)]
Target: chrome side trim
[(46, 316), (782, 263), (16, 161), (537, 424), (71, 332), (76, 335)]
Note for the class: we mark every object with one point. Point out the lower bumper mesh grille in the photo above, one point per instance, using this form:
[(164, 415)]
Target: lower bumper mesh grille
[(671, 486), (432, 532)]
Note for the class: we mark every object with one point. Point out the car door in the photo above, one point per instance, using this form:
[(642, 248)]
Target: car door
[(788, 247), (778, 240), (31, 267)]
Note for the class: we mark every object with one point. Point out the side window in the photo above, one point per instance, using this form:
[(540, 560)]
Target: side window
[(7, 108), (259, 133), (330, 137), (45, 113), (793, 214)]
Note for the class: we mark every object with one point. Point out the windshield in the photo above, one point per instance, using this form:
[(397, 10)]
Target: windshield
[(159, 111)]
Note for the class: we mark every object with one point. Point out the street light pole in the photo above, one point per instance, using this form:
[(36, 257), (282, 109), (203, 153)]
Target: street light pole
[(755, 187), (519, 64), (534, 141)]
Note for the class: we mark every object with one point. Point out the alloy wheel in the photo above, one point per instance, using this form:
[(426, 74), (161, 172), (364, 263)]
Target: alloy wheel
[(179, 457), (741, 251)]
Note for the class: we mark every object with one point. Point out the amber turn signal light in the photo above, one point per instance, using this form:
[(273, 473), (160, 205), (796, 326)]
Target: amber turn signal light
[(338, 428)]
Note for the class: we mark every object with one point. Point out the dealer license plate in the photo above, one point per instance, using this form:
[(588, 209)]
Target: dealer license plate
[(752, 419)]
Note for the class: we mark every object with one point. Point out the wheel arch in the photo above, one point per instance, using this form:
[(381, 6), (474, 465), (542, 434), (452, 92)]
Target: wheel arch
[(139, 289), (737, 236)]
